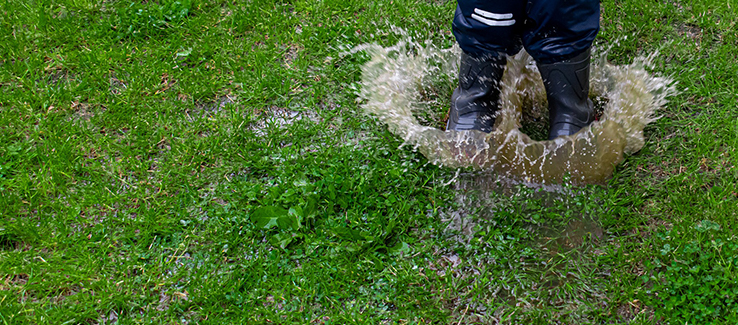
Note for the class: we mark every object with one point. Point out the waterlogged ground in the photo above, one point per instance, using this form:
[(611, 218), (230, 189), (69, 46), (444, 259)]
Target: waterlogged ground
[(185, 162), (557, 247)]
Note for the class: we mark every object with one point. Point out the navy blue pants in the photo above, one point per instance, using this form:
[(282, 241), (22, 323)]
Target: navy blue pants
[(550, 30)]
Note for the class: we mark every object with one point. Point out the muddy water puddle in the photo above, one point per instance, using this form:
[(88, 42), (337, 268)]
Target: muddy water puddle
[(405, 87), (479, 195), (562, 237), (512, 184)]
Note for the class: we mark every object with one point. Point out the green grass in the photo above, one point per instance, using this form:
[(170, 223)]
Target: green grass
[(207, 162)]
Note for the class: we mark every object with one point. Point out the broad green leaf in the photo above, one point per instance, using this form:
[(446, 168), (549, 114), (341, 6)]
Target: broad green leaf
[(268, 216), (283, 240), (288, 222), (348, 233), (401, 247)]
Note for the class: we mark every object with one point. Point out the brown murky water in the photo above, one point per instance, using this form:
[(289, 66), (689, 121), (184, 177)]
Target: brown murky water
[(396, 78), (407, 86), (478, 192)]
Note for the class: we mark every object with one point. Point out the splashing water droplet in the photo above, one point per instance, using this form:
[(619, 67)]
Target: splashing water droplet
[(396, 78)]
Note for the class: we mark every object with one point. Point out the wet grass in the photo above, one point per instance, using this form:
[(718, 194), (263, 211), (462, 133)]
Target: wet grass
[(206, 162)]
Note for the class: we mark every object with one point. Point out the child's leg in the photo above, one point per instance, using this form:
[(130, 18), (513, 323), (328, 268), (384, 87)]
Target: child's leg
[(489, 27), (486, 32), (559, 35)]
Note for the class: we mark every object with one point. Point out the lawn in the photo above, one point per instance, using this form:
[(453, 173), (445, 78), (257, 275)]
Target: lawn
[(208, 162)]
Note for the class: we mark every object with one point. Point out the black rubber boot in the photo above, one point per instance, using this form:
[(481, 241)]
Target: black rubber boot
[(474, 102), (567, 90)]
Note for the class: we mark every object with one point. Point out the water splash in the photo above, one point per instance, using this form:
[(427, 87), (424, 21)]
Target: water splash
[(397, 78)]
